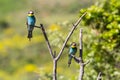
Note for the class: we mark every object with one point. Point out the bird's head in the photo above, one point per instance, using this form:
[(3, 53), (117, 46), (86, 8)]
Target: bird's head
[(73, 45), (30, 13)]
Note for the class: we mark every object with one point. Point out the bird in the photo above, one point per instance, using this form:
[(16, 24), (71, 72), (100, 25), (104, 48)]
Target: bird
[(31, 20), (72, 52)]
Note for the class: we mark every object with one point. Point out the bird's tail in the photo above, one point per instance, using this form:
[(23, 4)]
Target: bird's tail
[(29, 35), (69, 61)]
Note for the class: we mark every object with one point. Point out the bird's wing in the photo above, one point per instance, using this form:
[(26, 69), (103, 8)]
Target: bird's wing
[(34, 18)]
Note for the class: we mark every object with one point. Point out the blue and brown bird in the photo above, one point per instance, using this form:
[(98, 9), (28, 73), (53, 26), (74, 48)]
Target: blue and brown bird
[(30, 23), (72, 51)]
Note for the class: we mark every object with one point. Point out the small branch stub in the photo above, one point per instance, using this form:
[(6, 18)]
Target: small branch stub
[(99, 76)]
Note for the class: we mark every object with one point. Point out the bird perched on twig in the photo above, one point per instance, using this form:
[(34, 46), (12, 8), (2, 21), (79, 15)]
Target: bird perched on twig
[(30, 23), (72, 51)]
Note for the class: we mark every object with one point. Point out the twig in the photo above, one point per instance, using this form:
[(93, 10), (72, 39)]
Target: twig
[(86, 62), (47, 41), (38, 26), (78, 60)]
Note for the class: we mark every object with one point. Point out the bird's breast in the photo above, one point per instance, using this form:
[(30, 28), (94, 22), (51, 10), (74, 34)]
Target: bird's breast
[(31, 21)]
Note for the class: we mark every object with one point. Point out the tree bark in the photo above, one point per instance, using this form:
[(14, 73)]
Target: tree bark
[(54, 69), (81, 71)]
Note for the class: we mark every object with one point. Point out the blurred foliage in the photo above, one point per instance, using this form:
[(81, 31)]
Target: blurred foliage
[(104, 21), (10, 5)]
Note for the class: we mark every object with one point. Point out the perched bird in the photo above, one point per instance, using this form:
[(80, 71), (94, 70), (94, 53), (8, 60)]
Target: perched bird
[(72, 51), (30, 23)]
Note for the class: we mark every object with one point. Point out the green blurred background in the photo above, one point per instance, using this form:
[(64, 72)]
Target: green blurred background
[(24, 60)]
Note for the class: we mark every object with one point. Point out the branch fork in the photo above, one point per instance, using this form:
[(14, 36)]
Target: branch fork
[(53, 55)]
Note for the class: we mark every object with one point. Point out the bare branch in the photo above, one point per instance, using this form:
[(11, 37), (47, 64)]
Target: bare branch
[(76, 58), (99, 76), (80, 38), (47, 41), (80, 42), (81, 71), (69, 35)]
